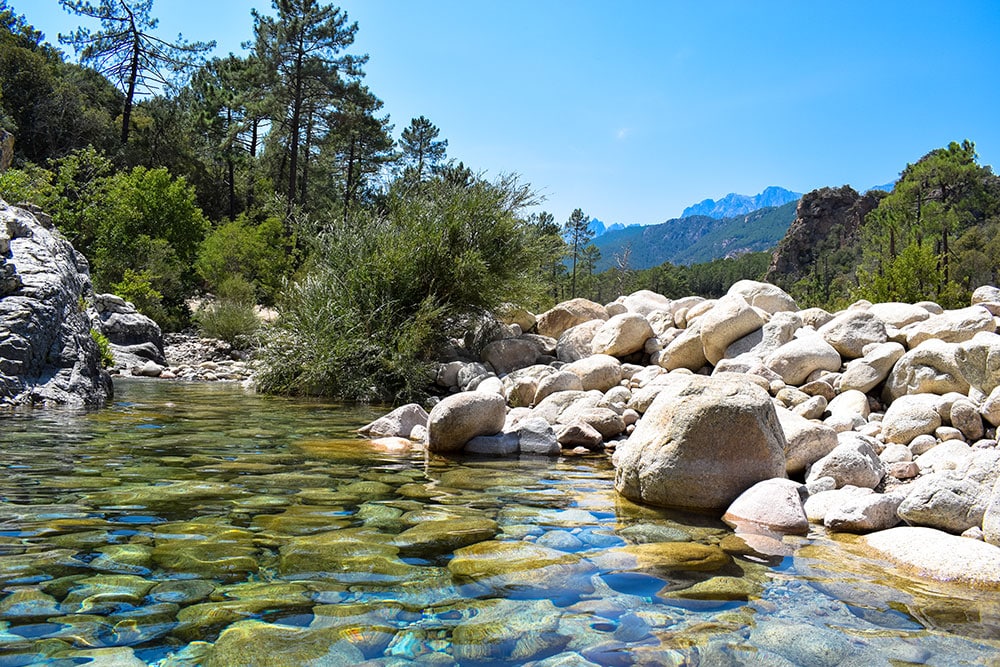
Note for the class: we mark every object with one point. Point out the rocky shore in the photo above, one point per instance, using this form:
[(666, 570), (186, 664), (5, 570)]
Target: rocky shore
[(878, 420)]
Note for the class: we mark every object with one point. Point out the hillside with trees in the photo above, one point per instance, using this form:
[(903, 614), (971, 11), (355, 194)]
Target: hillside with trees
[(274, 177)]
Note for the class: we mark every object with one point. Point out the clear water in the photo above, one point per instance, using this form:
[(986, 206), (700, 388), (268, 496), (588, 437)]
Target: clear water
[(194, 524)]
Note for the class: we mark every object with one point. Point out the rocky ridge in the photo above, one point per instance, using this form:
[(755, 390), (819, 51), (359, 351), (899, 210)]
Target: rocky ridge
[(783, 420), (47, 353)]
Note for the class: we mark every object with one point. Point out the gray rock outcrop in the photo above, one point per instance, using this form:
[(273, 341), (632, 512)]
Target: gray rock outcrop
[(47, 354)]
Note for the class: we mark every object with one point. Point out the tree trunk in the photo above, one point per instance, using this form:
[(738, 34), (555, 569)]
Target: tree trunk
[(350, 173), (293, 134), (133, 77)]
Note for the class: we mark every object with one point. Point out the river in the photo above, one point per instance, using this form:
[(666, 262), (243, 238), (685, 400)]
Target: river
[(199, 524)]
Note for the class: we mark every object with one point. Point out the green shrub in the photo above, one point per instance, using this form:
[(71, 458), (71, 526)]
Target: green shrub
[(240, 248), (382, 292), (231, 317), (104, 347)]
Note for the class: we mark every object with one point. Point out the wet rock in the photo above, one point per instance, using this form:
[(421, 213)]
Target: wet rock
[(459, 418), (397, 424), (500, 444), (536, 436), (804, 644), (432, 538), (509, 631), (663, 557), (533, 570), (682, 454), (255, 643), (27, 605), (579, 434), (938, 555), (775, 504)]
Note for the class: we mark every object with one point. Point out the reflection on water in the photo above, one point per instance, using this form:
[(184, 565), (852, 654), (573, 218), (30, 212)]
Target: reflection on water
[(199, 524)]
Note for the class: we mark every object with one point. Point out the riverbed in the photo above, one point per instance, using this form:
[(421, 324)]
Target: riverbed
[(200, 524)]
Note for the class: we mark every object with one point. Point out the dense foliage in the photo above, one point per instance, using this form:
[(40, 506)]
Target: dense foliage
[(384, 290), (272, 177)]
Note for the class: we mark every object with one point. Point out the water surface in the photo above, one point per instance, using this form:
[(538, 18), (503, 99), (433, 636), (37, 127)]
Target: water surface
[(197, 524)]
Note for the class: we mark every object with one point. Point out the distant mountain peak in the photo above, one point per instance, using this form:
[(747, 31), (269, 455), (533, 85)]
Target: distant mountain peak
[(735, 204)]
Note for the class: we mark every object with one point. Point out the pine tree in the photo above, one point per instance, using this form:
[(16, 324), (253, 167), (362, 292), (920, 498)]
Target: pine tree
[(578, 235)]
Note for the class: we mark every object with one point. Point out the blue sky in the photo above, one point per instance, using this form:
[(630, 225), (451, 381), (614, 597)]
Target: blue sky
[(633, 110)]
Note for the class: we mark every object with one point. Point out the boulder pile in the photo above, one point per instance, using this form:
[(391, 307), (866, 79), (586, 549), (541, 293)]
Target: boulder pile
[(873, 416)]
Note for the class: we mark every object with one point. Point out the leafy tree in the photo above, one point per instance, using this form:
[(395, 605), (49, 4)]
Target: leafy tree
[(52, 107), (578, 235), (936, 200), (546, 236), (126, 50), (421, 148), (251, 252), (302, 45)]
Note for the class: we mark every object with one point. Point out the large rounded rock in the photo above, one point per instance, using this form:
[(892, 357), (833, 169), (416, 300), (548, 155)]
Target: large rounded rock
[(937, 555), (701, 444), (947, 500), (645, 302), (575, 343), (397, 424), (807, 441), (765, 296), (568, 314), (898, 314), (600, 372), (951, 326), (685, 351), (852, 462), (910, 416), (729, 320), (871, 370), (979, 361), (851, 331), (621, 335), (797, 360), (511, 354), (930, 368), (556, 382), (461, 417), (774, 504)]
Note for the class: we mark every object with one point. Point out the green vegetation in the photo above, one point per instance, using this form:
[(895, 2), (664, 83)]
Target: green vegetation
[(104, 347), (935, 235), (382, 292), (696, 239), (273, 178)]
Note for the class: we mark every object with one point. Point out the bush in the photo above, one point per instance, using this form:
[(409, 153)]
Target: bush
[(104, 347), (231, 317), (383, 292), (240, 248)]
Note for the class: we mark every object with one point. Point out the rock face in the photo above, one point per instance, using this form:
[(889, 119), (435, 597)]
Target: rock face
[(47, 354), (819, 214), (135, 338), (685, 451)]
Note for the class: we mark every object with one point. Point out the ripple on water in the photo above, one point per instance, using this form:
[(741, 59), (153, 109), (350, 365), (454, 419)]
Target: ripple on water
[(202, 525)]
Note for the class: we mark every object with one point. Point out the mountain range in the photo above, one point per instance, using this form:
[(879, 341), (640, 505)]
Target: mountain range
[(733, 204), (698, 238)]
